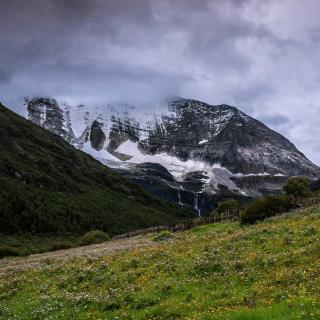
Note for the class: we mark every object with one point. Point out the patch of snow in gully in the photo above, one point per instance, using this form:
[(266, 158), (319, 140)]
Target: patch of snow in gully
[(175, 166), (203, 141), (102, 155)]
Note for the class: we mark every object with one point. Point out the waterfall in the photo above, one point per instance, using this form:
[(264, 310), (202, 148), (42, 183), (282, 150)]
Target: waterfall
[(179, 198), (196, 208), (204, 151)]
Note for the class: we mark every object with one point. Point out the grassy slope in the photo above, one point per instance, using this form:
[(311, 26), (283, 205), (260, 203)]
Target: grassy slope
[(222, 271), (47, 186)]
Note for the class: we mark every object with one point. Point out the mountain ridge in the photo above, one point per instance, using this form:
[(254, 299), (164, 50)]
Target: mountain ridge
[(206, 149)]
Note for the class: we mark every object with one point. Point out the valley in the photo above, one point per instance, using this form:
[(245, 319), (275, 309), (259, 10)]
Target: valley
[(159, 160)]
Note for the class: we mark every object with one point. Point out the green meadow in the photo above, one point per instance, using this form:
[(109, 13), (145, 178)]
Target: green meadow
[(270, 270)]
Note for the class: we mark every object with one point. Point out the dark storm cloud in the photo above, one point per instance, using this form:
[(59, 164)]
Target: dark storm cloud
[(259, 55)]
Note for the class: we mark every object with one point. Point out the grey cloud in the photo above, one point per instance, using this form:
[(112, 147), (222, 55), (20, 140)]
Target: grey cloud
[(4, 77), (275, 120), (250, 95), (223, 51)]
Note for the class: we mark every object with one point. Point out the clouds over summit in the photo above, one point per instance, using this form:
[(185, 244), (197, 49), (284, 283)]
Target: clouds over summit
[(261, 56)]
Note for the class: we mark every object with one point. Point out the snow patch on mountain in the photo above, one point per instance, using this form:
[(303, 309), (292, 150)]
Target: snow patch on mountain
[(174, 165), (203, 141), (103, 155), (216, 174)]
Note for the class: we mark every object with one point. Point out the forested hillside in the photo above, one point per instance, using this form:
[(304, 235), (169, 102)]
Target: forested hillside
[(49, 187)]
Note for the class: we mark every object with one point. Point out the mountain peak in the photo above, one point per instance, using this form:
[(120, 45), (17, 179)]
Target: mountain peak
[(204, 147)]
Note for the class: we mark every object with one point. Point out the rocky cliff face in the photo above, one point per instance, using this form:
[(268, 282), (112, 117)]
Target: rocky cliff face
[(225, 135), (97, 136), (46, 113), (186, 151)]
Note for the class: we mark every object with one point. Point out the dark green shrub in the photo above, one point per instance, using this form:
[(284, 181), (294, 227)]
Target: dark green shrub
[(6, 251), (297, 187), (315, 186), (94, 236), (60, 246), (162, 236), (227, 205), (267, 207)]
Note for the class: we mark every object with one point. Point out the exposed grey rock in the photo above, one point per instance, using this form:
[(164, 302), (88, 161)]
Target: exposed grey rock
[(80, 141), (122, 129), (46, 113), (223, 134), (258, 186), (97, 136), (158, 180)]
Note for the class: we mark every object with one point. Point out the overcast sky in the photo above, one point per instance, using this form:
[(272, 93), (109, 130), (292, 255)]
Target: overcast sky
[(262, 56)]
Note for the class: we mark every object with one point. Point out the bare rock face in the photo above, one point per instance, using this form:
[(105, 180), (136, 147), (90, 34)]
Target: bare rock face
[(46, 113), (190, 152), (97, 136), (187, 194), (122, 130), (223, 134)]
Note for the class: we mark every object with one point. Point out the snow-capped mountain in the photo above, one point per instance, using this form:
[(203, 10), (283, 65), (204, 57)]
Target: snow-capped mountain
[(184, 150)]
